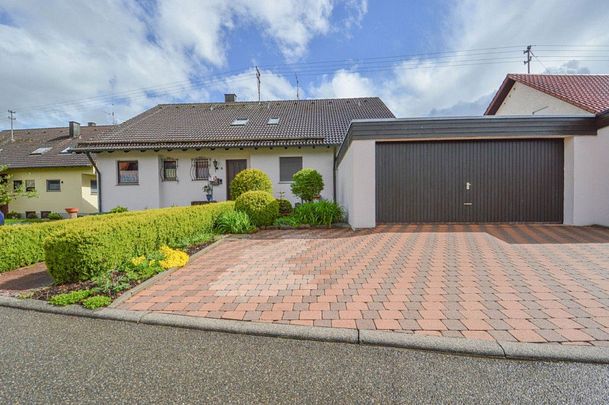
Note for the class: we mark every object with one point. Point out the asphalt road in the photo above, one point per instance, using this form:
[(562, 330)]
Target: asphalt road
[(46, 358)]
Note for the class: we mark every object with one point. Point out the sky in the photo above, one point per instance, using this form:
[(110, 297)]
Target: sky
[(83, 60)]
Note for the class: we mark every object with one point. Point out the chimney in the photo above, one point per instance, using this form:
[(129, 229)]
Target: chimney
[(230, 98), (91, 124), (74, 129)]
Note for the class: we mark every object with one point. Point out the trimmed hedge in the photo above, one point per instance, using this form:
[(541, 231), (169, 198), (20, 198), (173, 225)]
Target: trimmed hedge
[(82, 252), (260, 206), (250, 180), (307, 184), (21, 245)]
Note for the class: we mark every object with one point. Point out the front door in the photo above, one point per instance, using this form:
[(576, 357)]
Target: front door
[(233, 167)]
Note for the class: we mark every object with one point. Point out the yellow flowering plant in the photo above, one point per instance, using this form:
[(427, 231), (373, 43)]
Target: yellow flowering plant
[(172, 258)]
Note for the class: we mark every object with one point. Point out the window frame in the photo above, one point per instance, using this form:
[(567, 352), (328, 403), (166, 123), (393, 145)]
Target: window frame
[(96, 189), (194, 168), (32, 188), (280, 166), (164, 169), (19, 187), (48, 181), (118, 173)]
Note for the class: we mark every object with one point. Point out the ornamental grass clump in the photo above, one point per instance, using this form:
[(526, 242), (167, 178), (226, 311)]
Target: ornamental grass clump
[(319, 213), (236, 222), (250, 180), (261, 207)]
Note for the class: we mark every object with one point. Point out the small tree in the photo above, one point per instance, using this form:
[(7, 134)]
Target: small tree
[(7, 192), (307, 184)]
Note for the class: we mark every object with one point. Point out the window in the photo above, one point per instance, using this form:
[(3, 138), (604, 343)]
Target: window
[(30, 214), (17, 184), (94, 186), (128, 172), (30, 185), (66, 151), (53, 185), (288, 166), (40, 151), (170, 170), (200, 169), (239, 122), (44, 214), (273, 121)]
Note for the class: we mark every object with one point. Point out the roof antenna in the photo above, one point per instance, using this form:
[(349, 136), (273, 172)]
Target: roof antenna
[(12, 118), (297, 87), (258, 79)]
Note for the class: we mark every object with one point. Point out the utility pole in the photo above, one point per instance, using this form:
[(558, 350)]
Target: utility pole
[(529, 56), (12, 118), (258, 80), (297, 88)]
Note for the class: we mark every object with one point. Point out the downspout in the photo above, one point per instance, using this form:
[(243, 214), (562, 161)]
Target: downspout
[(99, 186), (334, 175)]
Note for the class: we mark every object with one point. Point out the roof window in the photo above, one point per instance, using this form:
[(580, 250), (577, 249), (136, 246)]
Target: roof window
[(273, 121), (239, 122), (66, 151), (40, 151)]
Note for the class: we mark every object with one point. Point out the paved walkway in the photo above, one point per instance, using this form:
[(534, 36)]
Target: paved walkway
[(25, 278), (527, 283)]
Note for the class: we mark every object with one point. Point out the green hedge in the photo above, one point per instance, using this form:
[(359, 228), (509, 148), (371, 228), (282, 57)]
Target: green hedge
[(81, 252), (21, 245), (261, 207)]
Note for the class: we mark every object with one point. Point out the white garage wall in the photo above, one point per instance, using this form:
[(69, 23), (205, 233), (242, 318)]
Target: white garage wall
[(154, 193), (355, 180)]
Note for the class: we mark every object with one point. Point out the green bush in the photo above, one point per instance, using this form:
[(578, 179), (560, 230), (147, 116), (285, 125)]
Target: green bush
[(97, 301), (289, 220), (285, 206), (319, 213), (13, 215), (54, 216), (118, 210), (234, 222), (307, 184), (73, 297), (85, 250), (250, 180), (260, 206)]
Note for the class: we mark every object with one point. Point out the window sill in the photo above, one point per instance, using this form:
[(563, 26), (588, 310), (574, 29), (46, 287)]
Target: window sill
[(286, 182), (127, 184)]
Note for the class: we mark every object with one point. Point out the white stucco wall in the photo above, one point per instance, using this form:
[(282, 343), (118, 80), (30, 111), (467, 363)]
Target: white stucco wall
[(586, 198), (154, 193), (355, 184)]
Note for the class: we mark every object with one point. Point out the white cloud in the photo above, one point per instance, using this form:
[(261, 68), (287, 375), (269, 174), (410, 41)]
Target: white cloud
[(244, 85), (343, 84)]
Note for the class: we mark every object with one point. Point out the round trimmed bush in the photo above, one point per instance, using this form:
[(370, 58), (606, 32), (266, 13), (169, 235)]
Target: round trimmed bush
[(250, 180), (307, 184), (260, 206), (285, 206)]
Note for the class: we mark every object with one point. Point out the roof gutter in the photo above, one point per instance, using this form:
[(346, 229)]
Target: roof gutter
[(99, 184)]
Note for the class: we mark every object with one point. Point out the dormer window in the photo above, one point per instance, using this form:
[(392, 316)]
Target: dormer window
[(40, 151), (273, 121), (239, 122)]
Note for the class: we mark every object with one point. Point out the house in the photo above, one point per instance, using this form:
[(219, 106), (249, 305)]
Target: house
[(166, 155), (40, 160), (540, 154)]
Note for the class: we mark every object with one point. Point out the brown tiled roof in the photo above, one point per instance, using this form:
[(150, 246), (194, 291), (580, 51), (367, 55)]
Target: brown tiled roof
[(301, 122), (588, 92), (17, 154)]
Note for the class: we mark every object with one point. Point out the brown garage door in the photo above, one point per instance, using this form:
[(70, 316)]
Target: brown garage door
[(470, 181)]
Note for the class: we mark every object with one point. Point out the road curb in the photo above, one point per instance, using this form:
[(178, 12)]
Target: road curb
[(459, 346)]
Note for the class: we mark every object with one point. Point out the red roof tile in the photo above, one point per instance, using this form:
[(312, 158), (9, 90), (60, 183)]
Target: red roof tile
[(588, 92)]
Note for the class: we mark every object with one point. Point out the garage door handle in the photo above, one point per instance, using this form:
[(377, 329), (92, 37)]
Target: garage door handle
[(467, 203)]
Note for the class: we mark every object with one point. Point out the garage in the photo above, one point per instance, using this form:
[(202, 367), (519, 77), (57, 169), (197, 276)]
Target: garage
[(518, 180)]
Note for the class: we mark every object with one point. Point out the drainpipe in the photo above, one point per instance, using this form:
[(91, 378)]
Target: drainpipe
[(99, 186), (334, 175)]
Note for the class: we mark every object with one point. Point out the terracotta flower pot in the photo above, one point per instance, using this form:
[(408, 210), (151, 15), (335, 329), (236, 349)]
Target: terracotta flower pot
[(72, 212)]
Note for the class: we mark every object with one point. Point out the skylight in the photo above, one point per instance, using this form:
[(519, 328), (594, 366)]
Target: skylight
[(273, 121), (240, 121), (40, 151), (66, 150)]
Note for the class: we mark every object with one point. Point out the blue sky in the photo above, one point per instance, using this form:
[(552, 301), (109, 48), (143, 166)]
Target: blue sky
[(81, 60)]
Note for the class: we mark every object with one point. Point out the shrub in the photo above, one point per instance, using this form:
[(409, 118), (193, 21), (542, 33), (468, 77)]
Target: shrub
[(53, 216), (319, 213), (307, 184), (233, 222), (97, 301), (285, 206), (250, 180), (118, 210), (87, 249), (260, 206), (173, 258), (73, 297), (13, 215)]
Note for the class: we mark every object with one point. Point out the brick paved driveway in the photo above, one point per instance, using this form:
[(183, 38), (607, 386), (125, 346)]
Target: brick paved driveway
[(528, 283)]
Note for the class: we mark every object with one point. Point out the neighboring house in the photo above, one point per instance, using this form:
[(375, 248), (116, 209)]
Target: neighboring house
[(166, 155), (541, 154), (40, 160)]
